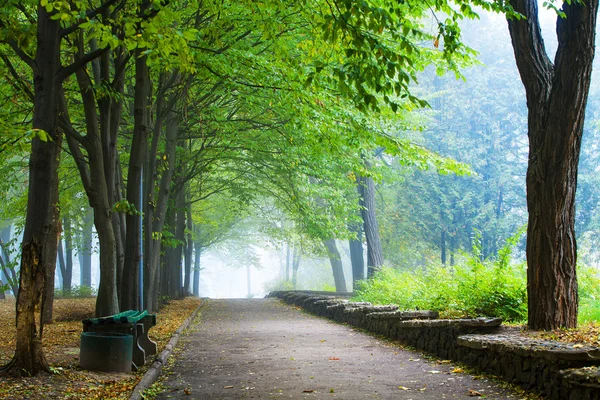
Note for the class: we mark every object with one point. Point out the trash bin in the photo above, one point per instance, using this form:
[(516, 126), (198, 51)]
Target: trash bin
[(105, 351)]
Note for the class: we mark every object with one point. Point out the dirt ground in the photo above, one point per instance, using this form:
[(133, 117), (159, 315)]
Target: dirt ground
[(264, 349)]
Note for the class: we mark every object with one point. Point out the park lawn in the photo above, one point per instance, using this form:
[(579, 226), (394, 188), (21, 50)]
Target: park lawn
[(61, 345)]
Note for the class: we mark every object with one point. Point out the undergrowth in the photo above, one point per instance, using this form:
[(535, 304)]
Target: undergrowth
[(493, 287)]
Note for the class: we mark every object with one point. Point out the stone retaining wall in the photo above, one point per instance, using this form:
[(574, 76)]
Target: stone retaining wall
[(560, 371)]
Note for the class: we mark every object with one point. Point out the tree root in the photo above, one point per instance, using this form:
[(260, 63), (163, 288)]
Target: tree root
[(11, 369), (14, 370)]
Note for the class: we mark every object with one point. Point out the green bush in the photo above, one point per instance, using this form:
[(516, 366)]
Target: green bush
[(589, 294), (75, 292), (471, 289)]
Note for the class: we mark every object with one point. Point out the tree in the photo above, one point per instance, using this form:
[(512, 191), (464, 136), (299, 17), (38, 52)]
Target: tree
[(40, 237), (335, 260), (366, 188), (556, 99)]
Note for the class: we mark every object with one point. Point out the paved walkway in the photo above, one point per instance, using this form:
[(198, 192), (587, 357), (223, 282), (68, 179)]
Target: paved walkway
[(264, 349)]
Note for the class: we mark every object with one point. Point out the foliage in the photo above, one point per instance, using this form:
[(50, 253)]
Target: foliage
[(588, 280), (474, 287), (76, 292)]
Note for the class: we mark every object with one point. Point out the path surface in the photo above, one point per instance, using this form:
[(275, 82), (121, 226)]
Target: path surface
[(265, 349)]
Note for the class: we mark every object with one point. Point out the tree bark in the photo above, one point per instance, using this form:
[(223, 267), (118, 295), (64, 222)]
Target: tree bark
[(130, 290), (443, 246), (197, 257), (67, 276), (336, 265), (153, 249), (85, 252), (288, 261), (177, 261), (357, 254), (556, 99), (295, 267), (366, 189), (40, 244), (93, 176), (189, 248)]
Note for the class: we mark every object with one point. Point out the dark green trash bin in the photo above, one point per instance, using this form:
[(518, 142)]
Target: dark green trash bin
[(104, 351)]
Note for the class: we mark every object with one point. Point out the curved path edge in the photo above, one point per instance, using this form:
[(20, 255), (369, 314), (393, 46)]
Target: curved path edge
[(154, 371)]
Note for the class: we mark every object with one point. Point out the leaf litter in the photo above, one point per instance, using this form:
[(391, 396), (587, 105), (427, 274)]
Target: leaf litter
[(61, 346)]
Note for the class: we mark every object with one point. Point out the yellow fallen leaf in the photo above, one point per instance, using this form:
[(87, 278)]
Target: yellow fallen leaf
[(474, 393), (577, 346), (457, 370), (403, 388)]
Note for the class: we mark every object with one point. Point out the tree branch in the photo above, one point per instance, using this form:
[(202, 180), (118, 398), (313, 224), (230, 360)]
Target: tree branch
[(79, 63), (535, 67), (91, 14)]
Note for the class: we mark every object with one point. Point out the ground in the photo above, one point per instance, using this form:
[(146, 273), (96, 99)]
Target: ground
[(264, 349), (253, 349), (61, 345)]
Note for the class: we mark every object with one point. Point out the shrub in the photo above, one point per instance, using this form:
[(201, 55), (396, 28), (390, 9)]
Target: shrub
[(75, 292), (471, 289), (589, 294)]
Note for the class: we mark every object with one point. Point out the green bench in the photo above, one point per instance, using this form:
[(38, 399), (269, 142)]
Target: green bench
[(134, 323)]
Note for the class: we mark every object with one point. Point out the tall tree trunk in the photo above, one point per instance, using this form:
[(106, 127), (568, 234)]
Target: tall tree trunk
[(61, 270), (295, 266), (443, 246), (197, 257), (336, 265), (111, 108), (189, 248), (85, 252), (93, 176), (288, 262), (171, 267), (180, 238), (67, 274), (40, 244), (153, 249), (130, 290), (357, 254), (366, 189), (556, 99)]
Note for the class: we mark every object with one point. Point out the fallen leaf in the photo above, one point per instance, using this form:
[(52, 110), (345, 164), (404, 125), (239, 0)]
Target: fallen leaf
[(403, 388), (334, 359), (227, 387), (457, 370), (187, 391), (414, 359), (435, 372), (474, 393), (577, 346), (308, 391)]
